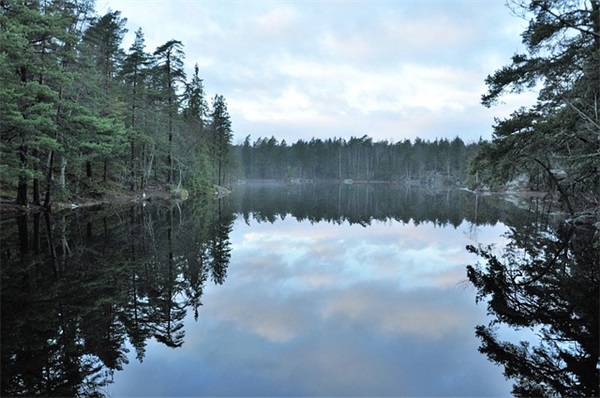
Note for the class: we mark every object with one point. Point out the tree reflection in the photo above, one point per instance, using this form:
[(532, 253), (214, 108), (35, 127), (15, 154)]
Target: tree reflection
[(71, 301), (363, 203), (546, 281), (219, 246)]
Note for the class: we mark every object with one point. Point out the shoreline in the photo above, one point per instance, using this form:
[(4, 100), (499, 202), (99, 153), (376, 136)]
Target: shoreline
[(9, 209)]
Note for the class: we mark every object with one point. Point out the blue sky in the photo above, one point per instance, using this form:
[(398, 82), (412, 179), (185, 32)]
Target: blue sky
[(303, 69)]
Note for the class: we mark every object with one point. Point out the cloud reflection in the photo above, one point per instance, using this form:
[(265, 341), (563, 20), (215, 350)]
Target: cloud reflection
[(324, 309)]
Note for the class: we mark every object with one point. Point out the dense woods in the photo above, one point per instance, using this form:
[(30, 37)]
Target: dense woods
[(360, 159), (81, 116)]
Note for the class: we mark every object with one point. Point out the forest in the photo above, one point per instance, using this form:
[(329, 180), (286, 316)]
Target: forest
[(81, 116), (359, 159)]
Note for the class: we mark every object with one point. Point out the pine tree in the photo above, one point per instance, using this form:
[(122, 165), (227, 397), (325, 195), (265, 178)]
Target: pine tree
[(222, 136), (193, 146), (559, 134), (38, 46), (171, 73), (102, 44), (134, 72)]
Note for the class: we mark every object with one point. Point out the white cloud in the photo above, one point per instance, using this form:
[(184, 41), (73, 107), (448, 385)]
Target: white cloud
[(277, 23), (305, 69)]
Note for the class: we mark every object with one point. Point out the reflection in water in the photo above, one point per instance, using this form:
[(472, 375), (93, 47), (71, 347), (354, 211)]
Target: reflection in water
[(547, 280), (71, 299), (347, 309), (362, 203), (332, 309)]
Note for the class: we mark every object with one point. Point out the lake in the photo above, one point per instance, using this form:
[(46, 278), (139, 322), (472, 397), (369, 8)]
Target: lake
[(274, 290)]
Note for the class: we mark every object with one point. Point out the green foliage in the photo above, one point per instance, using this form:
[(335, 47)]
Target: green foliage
[(221, 136), (74, 103), (560, 132)]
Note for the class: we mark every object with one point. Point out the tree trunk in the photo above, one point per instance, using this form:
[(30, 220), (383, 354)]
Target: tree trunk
[(63, 168), (143, 167), (132, 179), (22, 184), (105, 171), (36, 182), (36, 191), (49, 177)]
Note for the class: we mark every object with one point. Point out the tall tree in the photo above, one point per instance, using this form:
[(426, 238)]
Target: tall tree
[(104, 38), (170, 66), (38, 47), (102, 45), (560, 132), (196, 107), (134, 70), (193, 146), (222, 136)]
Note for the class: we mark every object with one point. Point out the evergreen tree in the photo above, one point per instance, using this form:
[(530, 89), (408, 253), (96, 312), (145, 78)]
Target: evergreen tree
[(222, 136), (38, 50), (171, 73), (558, 136), (134, 72), (196, 107), (106, 134), (193, 146)]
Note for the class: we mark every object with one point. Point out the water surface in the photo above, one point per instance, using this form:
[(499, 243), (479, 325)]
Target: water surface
[(276, 290)]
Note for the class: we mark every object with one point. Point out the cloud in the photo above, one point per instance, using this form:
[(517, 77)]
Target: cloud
[(322, 69)]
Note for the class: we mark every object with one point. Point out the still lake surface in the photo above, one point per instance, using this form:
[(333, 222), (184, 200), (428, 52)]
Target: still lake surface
[(275, 290)]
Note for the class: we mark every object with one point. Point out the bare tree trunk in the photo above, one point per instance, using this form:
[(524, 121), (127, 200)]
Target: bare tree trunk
[(132, 179), (49, 178), (63, 168), (36, 182)]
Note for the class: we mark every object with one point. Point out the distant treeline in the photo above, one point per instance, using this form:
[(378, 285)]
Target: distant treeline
[(361, 159)]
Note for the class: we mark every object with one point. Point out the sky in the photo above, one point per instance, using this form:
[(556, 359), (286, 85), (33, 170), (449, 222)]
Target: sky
[(392, 70), (321, 309)]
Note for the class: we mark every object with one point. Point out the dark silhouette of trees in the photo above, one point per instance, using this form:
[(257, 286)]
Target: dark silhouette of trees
[(76, 286), (547, 280)]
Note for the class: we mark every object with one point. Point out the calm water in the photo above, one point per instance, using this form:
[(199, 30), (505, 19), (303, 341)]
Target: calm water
[(274, 290)]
